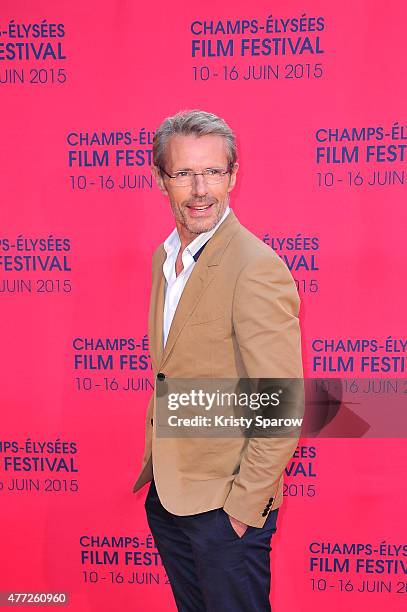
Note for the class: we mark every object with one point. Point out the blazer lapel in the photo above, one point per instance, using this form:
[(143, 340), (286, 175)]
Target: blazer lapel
[(156, 314), (200, 278), (196, 284)]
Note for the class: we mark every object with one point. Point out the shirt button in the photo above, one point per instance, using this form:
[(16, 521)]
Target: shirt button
[(161, 376)]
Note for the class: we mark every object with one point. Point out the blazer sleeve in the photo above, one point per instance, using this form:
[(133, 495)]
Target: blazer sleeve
[(265, 319)]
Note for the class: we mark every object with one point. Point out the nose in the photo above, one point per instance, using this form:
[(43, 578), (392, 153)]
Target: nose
[(199, 187)]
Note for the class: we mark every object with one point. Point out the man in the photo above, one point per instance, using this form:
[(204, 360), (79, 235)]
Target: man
[(223, 306)]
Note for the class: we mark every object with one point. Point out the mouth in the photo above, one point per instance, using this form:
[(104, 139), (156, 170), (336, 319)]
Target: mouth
[(199, 211)]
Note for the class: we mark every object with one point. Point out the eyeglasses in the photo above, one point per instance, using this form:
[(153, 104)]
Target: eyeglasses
[(185, 177)]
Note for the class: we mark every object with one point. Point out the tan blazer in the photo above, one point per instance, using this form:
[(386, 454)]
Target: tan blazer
[(237, 318)]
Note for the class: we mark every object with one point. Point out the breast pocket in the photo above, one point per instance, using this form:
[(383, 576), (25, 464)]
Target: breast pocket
[(201, 317)]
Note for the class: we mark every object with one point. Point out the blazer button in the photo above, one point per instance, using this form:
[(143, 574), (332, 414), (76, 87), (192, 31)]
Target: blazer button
[(271, 500), (161, 376), (265, 513)]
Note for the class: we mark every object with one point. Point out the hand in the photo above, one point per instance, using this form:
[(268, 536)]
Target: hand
[(238, 526)]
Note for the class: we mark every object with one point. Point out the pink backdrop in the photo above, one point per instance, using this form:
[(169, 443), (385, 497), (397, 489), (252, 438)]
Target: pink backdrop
[(321, 133)]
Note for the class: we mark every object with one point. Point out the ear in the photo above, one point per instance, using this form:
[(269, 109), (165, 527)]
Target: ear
[(159, 179), (232, 181)]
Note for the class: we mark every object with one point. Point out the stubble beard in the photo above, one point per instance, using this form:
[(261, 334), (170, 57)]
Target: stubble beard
[(199, 226)]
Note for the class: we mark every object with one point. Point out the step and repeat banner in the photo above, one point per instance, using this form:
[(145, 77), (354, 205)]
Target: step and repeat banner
[(316, 94)]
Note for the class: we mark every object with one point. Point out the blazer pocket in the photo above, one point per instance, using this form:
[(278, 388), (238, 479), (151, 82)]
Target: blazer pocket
[(206, 317)]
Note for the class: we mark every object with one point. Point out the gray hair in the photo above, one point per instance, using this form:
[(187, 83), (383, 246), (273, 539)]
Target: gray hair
[(198, 123)]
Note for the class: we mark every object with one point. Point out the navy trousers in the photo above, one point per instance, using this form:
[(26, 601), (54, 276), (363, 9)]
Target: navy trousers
[(211, 568)]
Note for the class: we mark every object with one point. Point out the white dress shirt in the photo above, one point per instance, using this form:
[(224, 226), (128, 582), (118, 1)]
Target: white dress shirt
[(174, 285)]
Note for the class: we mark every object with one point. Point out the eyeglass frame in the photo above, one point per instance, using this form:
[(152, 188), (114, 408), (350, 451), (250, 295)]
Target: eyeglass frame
[(228, 171)]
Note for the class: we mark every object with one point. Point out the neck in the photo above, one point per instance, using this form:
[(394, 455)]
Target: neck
[(185, 236)]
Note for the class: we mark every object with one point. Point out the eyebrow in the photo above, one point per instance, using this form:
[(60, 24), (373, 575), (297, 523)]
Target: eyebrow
[(190, 169)]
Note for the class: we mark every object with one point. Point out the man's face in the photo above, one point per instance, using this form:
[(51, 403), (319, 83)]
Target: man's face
[(198, 207)]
